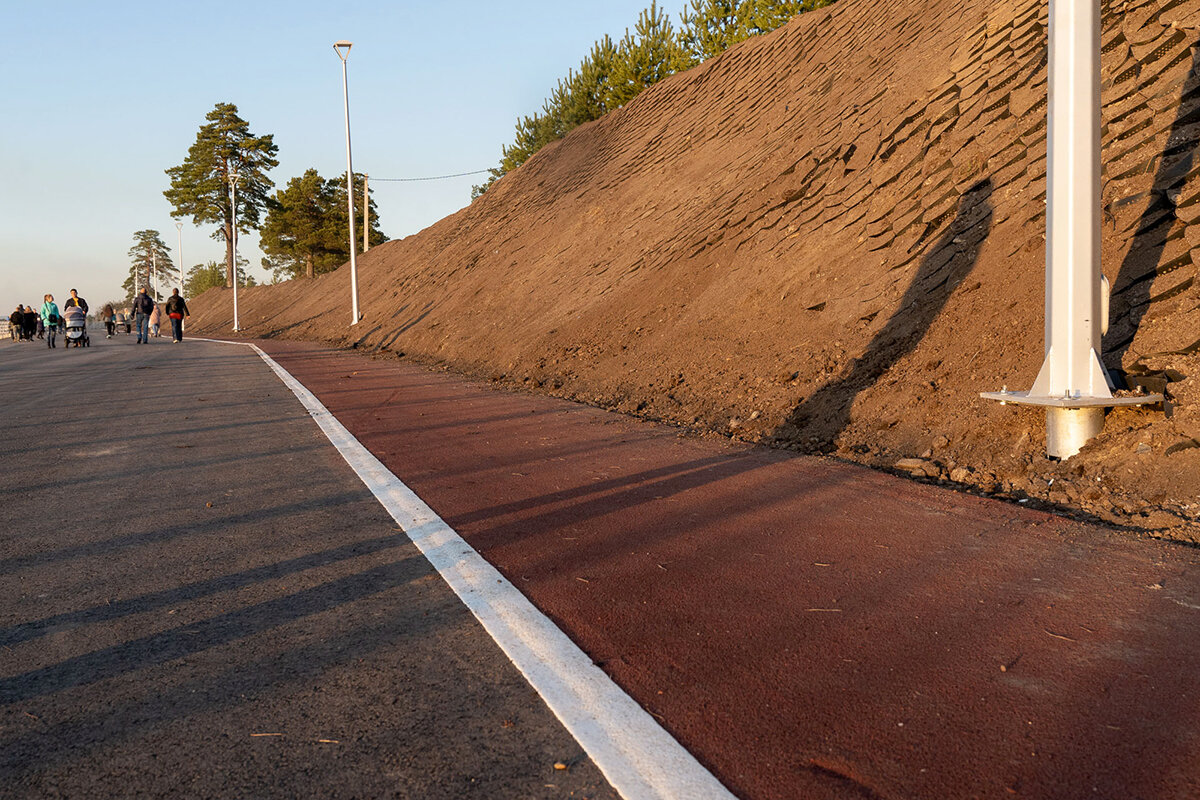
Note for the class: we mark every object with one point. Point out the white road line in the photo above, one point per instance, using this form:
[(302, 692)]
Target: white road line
[(638, 757)]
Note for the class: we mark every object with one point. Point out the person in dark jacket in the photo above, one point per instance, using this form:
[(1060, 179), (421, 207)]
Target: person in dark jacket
[(31, 320), (110, 319), (176, 309), (75, 301), (16, 323), (141, 309)]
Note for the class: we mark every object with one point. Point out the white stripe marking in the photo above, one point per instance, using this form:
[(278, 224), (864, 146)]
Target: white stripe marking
[(638, 757)]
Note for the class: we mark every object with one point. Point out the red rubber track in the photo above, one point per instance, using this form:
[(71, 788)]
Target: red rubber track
[(808, 628)]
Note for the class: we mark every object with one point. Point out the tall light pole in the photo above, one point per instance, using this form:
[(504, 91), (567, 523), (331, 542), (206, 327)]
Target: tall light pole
[(179, 227), (343, 50), (1073, 385), (233, 181)]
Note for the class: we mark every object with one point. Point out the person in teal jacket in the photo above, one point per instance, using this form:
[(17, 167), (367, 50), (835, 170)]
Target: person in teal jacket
[(51, 319)]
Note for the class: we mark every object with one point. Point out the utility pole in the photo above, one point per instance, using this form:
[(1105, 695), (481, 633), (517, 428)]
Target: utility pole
[(366, 213)]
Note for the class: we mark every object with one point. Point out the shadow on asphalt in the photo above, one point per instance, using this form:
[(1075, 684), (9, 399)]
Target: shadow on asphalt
[(158, 600), (60, 742), (163, 534), (212, 632)]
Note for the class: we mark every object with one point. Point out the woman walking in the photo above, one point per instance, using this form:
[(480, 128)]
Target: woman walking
[(154, 320), (31, 323), (110, 320), (50, 319)]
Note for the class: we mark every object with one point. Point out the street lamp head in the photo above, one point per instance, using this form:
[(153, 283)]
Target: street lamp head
[(178, 226), (338, 49)]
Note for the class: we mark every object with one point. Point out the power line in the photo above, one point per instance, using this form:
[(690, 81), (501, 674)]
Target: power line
[(433, 178)]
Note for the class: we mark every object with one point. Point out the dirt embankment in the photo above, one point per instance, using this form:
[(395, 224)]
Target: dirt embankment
[(829, 239)]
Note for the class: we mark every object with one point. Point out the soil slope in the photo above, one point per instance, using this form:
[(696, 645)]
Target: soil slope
[(829, 239)]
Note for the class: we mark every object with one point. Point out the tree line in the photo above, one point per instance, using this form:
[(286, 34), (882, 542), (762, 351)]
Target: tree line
[(613, 73), (303, 227)]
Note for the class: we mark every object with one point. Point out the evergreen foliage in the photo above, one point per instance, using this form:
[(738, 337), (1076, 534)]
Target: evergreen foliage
[(148, 254), (202, 277), (305, 233), (645, 57), (200, 185), (613, 74), (298, 235)]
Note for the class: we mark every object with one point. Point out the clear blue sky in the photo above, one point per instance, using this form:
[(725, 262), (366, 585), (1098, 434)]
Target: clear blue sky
[(101, 98)]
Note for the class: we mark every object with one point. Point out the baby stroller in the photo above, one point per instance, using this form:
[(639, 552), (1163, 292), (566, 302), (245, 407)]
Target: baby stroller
[(75, 327)]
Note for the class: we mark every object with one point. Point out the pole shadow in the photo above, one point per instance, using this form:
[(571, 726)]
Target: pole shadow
[(817, 422), (1131, 299)]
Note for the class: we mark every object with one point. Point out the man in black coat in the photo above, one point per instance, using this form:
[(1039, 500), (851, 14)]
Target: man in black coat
[(16, 323), (76, 300), (142, 308), (176, 309)]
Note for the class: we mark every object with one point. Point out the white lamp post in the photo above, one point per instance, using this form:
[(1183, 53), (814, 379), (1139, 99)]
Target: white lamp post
[(343, 50), (1073, 385), (233, 180)]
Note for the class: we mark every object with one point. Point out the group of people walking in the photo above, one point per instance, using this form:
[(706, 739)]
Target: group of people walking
[(27, 323), (147, 317)]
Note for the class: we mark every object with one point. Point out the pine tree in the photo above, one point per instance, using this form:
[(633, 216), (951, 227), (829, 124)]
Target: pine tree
[(202, 277), (149, 259), (299, 236), (200, 185), (711, 27), (644, 57)]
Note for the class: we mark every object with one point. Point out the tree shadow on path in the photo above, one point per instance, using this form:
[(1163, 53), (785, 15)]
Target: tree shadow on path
[(821, 418)]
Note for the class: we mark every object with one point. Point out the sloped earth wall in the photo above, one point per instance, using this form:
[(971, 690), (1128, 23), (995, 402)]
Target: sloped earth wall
[(828, 239)]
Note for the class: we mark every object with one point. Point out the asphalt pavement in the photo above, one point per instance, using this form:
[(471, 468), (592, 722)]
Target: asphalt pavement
[(200, 599)]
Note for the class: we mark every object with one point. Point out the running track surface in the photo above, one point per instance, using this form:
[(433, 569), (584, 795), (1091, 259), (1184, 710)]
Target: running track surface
[(808, 628)]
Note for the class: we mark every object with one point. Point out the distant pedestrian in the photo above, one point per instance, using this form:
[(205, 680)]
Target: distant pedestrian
[(16, 323), (50, 319), (176, 309), (110, 319), (142, 306), (31, 322), (75, 301), (154, 320)]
